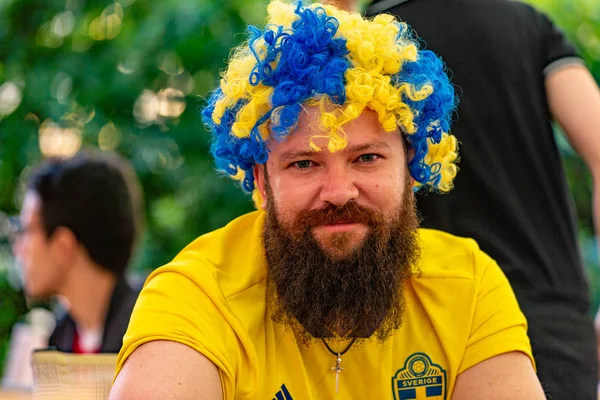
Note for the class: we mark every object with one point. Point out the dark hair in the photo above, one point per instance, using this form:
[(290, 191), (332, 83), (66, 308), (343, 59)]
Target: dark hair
[(96, 195)]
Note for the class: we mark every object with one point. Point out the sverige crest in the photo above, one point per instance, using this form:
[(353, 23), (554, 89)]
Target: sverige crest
[(419, 379)]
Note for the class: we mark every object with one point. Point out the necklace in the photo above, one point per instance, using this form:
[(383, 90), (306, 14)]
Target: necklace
[(338, 362)]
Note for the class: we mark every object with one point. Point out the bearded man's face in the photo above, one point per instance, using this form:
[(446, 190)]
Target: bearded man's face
[(341, 230)]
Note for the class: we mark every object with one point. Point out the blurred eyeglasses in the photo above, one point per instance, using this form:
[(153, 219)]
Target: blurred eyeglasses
[(10, 227), (15, 227)]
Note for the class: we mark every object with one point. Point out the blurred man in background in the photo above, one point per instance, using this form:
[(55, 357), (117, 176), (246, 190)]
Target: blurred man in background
[(77, 229), (517, 73)]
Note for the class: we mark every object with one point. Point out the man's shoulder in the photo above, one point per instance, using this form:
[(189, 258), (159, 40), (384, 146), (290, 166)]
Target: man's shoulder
[(444, 255), (230, 258)]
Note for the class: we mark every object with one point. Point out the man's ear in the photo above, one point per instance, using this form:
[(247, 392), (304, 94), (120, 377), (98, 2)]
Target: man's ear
[(409, 153), (259, 182), (64, 245)]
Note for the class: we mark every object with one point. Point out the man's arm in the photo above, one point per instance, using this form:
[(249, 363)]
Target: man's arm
[(163, 370), (574, 100), (508, 376)]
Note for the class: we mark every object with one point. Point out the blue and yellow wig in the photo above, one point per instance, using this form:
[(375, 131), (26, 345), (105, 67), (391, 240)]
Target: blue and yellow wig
[(343, 63)]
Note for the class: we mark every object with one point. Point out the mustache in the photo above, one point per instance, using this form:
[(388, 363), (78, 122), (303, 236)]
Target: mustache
[(330, 214)]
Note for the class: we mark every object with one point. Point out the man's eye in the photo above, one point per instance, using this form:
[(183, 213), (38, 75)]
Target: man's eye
[(303, 164), (368, 158)]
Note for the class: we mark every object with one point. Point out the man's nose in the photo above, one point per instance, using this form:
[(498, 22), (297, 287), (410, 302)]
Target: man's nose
[(338, 186)]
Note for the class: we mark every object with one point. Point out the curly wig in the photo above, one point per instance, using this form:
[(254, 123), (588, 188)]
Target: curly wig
[(342, 62)]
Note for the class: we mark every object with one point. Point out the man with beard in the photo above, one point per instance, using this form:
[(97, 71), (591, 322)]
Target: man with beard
[(330, 290)]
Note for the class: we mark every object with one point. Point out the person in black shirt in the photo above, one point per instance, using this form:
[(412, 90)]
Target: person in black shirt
[(517, 73), (74, 239)]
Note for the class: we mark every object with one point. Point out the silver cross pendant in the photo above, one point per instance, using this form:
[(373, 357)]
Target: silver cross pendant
[(338, 368)]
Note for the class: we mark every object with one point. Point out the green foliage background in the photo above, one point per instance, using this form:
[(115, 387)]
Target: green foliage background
[(83, 64)]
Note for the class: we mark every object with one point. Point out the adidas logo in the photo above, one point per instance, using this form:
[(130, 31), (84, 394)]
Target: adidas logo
[(283, 394)]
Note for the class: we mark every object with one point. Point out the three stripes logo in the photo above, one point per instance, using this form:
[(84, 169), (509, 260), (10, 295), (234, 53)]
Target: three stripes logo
[(283, 394)]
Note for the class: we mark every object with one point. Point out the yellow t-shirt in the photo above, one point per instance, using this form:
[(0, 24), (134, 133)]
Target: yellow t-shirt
[(459, 311)]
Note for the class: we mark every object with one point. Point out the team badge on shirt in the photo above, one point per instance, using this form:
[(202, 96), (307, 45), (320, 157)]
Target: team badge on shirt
[(419, 379)]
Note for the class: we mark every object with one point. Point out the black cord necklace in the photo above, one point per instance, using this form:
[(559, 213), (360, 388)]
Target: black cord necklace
[(338, 361)]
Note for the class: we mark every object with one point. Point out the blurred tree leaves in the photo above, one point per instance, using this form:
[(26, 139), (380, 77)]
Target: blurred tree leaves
[(128, 75)]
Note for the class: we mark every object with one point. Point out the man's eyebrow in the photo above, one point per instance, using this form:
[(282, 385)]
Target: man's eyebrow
[(369, 146), (295, 154)]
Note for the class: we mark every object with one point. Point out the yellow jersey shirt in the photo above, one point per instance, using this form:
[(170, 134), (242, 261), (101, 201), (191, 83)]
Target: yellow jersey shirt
[(460, 310)]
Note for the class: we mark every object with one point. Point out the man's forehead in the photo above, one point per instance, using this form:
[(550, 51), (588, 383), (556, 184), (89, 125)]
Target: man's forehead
[(31, 206), (362, 133)]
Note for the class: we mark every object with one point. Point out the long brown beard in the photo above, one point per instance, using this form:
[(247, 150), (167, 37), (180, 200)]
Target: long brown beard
[(324, 295)]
